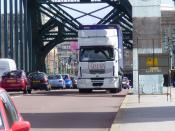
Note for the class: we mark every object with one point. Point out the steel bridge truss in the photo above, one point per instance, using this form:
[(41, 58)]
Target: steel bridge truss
[(25, 37), (65, 26)]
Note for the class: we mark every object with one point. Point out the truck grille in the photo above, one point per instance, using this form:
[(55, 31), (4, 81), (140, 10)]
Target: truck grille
[(97, 81), (102, 71), (97, 84)]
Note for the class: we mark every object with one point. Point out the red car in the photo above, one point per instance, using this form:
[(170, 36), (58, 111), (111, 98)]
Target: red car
[(15, 81), (10, 118)]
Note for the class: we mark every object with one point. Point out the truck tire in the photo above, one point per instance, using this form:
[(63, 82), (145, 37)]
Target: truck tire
[(85, 90), (114, 90)]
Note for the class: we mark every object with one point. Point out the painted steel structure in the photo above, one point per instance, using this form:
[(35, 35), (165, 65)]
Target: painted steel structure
[(28, 40), (15, 34)]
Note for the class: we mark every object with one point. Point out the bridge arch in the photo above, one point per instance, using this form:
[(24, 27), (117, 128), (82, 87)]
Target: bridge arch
[(31, 39)]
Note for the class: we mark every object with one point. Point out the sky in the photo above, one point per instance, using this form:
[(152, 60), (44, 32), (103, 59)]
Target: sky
[(89, 8)]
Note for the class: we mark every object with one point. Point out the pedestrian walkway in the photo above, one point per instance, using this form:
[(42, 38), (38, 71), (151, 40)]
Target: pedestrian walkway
[(153, 113)]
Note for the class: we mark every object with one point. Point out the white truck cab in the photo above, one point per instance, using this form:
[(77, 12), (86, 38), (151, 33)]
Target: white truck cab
[(100, 58)]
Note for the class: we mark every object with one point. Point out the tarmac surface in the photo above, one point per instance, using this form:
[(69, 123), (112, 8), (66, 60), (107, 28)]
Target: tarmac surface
[(153, 113)]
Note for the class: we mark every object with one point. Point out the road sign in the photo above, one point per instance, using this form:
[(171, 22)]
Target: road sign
[(154, 63)]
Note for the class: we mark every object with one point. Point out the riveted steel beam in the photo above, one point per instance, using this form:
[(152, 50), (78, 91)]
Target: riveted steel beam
[(74, 1)]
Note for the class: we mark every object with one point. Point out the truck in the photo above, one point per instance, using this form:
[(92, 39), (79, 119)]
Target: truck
[(100, 58)]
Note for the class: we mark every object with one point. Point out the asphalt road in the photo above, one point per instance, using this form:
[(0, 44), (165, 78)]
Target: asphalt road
[(67, 110)]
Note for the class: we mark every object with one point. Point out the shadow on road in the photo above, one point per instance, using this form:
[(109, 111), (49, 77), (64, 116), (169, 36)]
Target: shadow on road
[(75, 93), (70, 120), (148, 114)]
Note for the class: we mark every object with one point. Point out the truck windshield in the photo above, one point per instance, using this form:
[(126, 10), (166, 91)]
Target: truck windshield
[(94, 53)]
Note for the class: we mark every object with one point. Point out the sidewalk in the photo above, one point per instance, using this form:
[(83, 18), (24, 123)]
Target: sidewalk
[(153, 113)]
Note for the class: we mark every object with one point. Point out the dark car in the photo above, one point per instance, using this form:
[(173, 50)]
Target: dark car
[(74, 81), (10, 117), (15, 80), (39, 80)]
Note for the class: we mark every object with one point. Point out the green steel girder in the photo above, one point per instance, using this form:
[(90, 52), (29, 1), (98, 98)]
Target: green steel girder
[(85, 14), (121, 14), (74, 1), (66, 22), (122, 6), (64, 17), (128, 8), (112, 2), (58, 18), (67, 28), (107, 18), (115, 16), (128, 44), (49, 25)]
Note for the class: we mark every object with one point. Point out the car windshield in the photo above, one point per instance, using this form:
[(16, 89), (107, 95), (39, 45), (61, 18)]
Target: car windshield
[(96, 54), (54, 77), (36, 75), (15, 74), (65, 76)]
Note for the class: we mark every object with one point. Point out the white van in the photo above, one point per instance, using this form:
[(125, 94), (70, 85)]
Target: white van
[(7, 65)]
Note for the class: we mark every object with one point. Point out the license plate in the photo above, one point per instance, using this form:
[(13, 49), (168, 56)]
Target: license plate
[(96, 66), (35, 81), (11, 81)]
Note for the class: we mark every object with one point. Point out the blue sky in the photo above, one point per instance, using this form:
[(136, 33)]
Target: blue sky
[(89, 8)]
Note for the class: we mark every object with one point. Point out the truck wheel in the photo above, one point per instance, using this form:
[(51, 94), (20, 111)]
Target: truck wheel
[(120, 88), (114, 90), (81, 91), (85, 90)]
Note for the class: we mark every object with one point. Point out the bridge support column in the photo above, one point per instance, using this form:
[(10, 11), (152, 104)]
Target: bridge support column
[(146, 34)]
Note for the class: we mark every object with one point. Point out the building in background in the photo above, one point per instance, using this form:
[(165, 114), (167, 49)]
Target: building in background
[(128, 64), (52, 62), (168, 34), (68, 57), (62, 59)]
